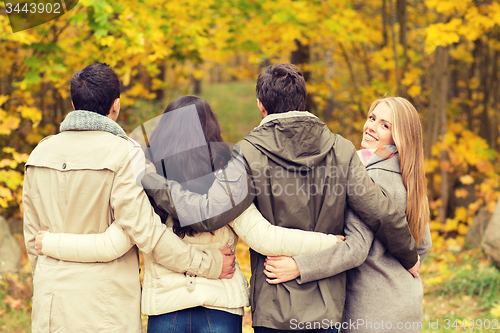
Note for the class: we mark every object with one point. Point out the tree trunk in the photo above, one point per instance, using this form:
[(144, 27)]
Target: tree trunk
[(484, 129), (160, 93), (301, 56), (495, 87), (440, 101), (330, 75), (394, 47), (403, 30), (385, 19), (467, 102), (196, 82), (354, 97)]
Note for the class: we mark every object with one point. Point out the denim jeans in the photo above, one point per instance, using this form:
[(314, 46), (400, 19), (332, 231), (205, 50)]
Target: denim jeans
[(195, 320), (271, 330)]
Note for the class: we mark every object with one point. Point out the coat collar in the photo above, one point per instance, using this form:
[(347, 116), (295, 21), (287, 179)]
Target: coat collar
[(284, 115), (385, 157)]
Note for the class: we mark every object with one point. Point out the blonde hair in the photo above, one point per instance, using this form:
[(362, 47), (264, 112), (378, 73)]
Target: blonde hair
[(407, 135)]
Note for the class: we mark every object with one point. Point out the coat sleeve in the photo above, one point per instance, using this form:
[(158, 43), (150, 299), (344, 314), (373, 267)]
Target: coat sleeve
[(377, 209), (425, 245), (31, 223), (271, 240), (104, 247), (346, 255), (133, 213), (231, 193)]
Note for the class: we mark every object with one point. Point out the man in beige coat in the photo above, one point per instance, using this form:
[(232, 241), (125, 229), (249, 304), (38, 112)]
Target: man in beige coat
[(80, 181)]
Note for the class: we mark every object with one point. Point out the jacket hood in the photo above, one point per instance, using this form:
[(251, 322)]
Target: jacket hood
[(294, 138)]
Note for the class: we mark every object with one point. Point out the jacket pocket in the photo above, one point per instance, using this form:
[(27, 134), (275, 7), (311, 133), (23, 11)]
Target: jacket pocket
[(40, 317)]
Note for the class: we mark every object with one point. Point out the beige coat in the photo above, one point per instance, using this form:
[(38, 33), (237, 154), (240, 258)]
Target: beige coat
[(166, 291), (80, 182)]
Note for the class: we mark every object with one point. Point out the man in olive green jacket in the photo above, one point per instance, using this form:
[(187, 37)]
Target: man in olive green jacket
[(304, 177)]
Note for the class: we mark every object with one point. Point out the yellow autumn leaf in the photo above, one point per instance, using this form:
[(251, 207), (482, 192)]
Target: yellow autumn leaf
[(465, 323), (6, 162), (414, 90), (491, 206), (466, 180), (462, 229), (442, 34), (461, 214), (8, 124), (434, 280), (451, 225), (461, 193), (495, 311), (3, 99), (33, 138)]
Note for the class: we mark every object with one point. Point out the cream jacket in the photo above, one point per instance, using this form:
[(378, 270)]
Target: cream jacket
[(166, 291), (81, 182)]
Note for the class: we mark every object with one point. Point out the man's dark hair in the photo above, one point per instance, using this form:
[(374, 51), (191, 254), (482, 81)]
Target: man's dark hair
[(95, 88), (282, 88)]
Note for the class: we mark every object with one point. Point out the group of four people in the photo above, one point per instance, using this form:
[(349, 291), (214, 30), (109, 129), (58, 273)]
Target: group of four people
[(290, 190)]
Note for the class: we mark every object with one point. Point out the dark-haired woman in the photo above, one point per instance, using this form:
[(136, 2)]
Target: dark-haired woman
[(187, 145)]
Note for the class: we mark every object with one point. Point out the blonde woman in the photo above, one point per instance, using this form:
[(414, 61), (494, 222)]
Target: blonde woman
[(381, 295)]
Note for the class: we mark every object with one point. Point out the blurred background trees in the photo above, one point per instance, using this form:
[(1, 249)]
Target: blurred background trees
[(442, 55)]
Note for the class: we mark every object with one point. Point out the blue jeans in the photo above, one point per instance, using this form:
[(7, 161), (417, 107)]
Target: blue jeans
[(272, 330), (195, 320)]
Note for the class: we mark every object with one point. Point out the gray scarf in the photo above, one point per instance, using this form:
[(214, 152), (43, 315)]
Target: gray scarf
[(81, 120)]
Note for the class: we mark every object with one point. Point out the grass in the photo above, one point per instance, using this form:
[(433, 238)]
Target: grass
[(15, 302), (235, 105), (470, 293)]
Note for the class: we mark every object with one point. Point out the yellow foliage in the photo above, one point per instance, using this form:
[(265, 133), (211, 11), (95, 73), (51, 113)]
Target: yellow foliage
[(462, 53), (451, 225), (8, 123), (434, 280), (461, 214), (448, 6), (462, 229), (33, 138), (461, 193), (466, 179), (442, 34), (495, 311), (491, 206), (30, 113), (5, 197), (3, 99), (414, 90), (465, 323)]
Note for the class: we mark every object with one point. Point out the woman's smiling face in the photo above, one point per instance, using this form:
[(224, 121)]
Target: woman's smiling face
[(377, 130)]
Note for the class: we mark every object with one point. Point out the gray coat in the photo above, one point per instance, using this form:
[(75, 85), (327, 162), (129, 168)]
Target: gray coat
[(380, 291)]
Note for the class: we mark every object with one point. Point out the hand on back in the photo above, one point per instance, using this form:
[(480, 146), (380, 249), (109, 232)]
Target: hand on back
[(228, 263)]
